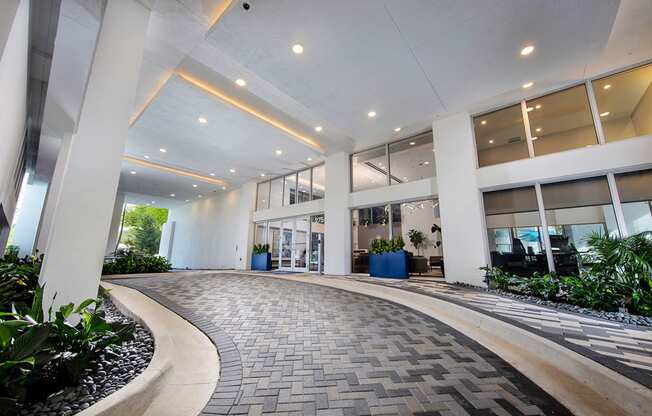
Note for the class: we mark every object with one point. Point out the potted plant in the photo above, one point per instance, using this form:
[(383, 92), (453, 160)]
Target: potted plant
[(261, 258), (388, 259), (418, 239)]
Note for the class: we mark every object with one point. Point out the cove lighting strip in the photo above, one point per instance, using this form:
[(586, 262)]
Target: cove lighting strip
[(175, 171)]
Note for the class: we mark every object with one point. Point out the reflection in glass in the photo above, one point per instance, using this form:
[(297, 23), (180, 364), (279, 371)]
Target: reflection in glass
[(262, 196), (274, 233), (561, 121), (317, 243), (367, 225), (302, 225), (276, 193), (260, 233), (514, 231), (286, 244), (412, 159), (318, 182), (289, 190), (369, 169), (625, 103), (303, 186), (575, 210), (635, 190), (500, 136)]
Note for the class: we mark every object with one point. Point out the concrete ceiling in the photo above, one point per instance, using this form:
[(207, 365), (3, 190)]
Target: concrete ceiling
[(408, 60)]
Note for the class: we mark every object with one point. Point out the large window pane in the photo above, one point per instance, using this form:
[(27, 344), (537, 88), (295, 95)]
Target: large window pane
[(420, 216), (635, 191), (317, 243), (290, 190), (625, 103), (500, 136), (260, 233), (575, 210), (367, 225), (276, 193), (514, 231), (368, 169), (318, 182), (561, 121), (303, 186), (412, 159), (262, 196), (274, 240)]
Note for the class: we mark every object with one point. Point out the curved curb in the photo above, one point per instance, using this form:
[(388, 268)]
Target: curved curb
[(177, 380), (579, 383)]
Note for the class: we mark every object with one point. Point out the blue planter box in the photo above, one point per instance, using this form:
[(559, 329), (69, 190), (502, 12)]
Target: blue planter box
[(395, 265), (261, 261)]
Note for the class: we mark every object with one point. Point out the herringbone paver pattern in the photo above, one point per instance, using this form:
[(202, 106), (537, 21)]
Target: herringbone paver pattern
[(311, 350)]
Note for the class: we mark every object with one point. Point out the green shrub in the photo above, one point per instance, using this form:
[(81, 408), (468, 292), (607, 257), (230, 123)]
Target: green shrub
[(18, 282), (381, 245), (545, 287), (130, 263), (589, 292), (261, 248), (500, 279)]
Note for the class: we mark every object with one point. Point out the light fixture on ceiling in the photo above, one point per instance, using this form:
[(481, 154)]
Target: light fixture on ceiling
[(241, 82), (162, 150), (538, 106), (199, 196), (146, 157), (426, 163), (187, 200), (212, 174), (371, 114), (202, 120), (262, 175), (133, 172), (483, 122), (309, 159), (606, 87), (297, 48), (534, 138), (491, 141), (528, 85), (605, 114), (319, 128), (412, 143), (278, 152), (397, 129), (527, 50), (224, 188), (172, 195), (194, 185), (232, 170), (538, 129), (530, 109)]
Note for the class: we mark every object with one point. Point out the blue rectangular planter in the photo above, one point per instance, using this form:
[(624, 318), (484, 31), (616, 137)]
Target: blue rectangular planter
[(395, 265), (261, 261)]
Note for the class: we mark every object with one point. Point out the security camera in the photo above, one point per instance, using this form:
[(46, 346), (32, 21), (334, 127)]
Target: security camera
[(247, 5)]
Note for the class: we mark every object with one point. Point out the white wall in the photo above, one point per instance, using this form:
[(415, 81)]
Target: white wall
[(27, 216), (13, 100), (409, 191), (337, 236)]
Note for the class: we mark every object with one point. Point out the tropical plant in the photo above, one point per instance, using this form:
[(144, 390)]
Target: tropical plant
[(543, 286), (130, 262), (18, 282), (496, 277), (418, 239), (11, 254), (381, 245), (261, 248)]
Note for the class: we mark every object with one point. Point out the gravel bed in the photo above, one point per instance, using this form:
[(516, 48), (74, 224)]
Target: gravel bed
[(106, 375), (622, 317)]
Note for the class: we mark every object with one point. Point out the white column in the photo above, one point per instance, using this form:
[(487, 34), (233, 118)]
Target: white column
[(462, 216), (54, 189), (245, 237), (337, 231), (27, 216), (116, 222), (167, 238), (81, 219)]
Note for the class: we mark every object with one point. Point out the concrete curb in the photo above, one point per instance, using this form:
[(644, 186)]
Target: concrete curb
[(184, 370)]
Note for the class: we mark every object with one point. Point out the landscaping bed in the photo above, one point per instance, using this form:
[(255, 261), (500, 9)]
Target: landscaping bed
[(111, 370)]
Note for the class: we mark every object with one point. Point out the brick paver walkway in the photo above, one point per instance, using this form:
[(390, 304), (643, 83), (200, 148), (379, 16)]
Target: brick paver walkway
[(295, 348)]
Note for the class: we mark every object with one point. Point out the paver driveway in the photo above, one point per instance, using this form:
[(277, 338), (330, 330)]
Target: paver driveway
[(308, 349)]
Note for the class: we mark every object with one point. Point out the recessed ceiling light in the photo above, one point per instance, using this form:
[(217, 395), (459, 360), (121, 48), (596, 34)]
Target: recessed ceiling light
[(534, 138), (232, 170), (133, 172), (491, 141), (527, 50), (397, 129), (538, 129), (371, 114), (538, 106), (530, 109), (297, 48), (605, 114), (194, 185), (318, 128), (199, 196), (212, 174), (262, 175), (412, 143), (483, 122), (172, 195), (426, 163), (187, 200), (162, 150), (146, 157), (607, 86), (528, 84), (224, 188), (279, 152), (241, 82), (202, 120)]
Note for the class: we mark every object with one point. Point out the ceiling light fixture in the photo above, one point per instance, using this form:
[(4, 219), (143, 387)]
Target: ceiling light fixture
[(318, 128), (212, 174), (528, 85), (187, 200), (605, 114), (194, 185), (530, 109), (527, 50), (426, 163), (199, 196), (534, 138), (224, 188), (262, 175), (133, 172), (163, 150), (172, 195), (241, 82), (297, 48), (279, 152), (412, 143), (538, 129), (232, 170), (483, 122), (309, 159), (491, 141), (371, 114), (606, 87), (153, 202), (169, 169), (397, 129), (538, 106), (146, 157), (202, 120)]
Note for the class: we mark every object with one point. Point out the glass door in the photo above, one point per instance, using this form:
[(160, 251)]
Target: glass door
[(286, 243), (301, 231), (274, 234)]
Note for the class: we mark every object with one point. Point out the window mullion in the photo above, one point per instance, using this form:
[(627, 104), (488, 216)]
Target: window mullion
[(595, 112), (544, 227), (528, 133), (618, 208)]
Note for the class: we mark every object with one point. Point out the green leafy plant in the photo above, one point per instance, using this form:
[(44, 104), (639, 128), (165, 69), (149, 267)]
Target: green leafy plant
[(11, 254), (261, 248), (589, 292), (542, 286), (18, 282), (418, 239), (499, 279), (131, 262), (381, 245)]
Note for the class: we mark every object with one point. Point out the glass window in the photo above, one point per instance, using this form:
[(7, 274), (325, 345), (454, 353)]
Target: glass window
[(575, 210), (262, 196), (368, 169), (367, 225), (303, 186), (318, 182), (412, 159), (260, 233), (561, 121), (274, 238), (500, 136), (625, 103), (635, 191), (514, 231), (290, 189), (420, 216), (317, 243), (276, 193)]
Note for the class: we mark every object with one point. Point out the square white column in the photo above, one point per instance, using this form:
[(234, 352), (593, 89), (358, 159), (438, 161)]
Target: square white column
[(337, 230)]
